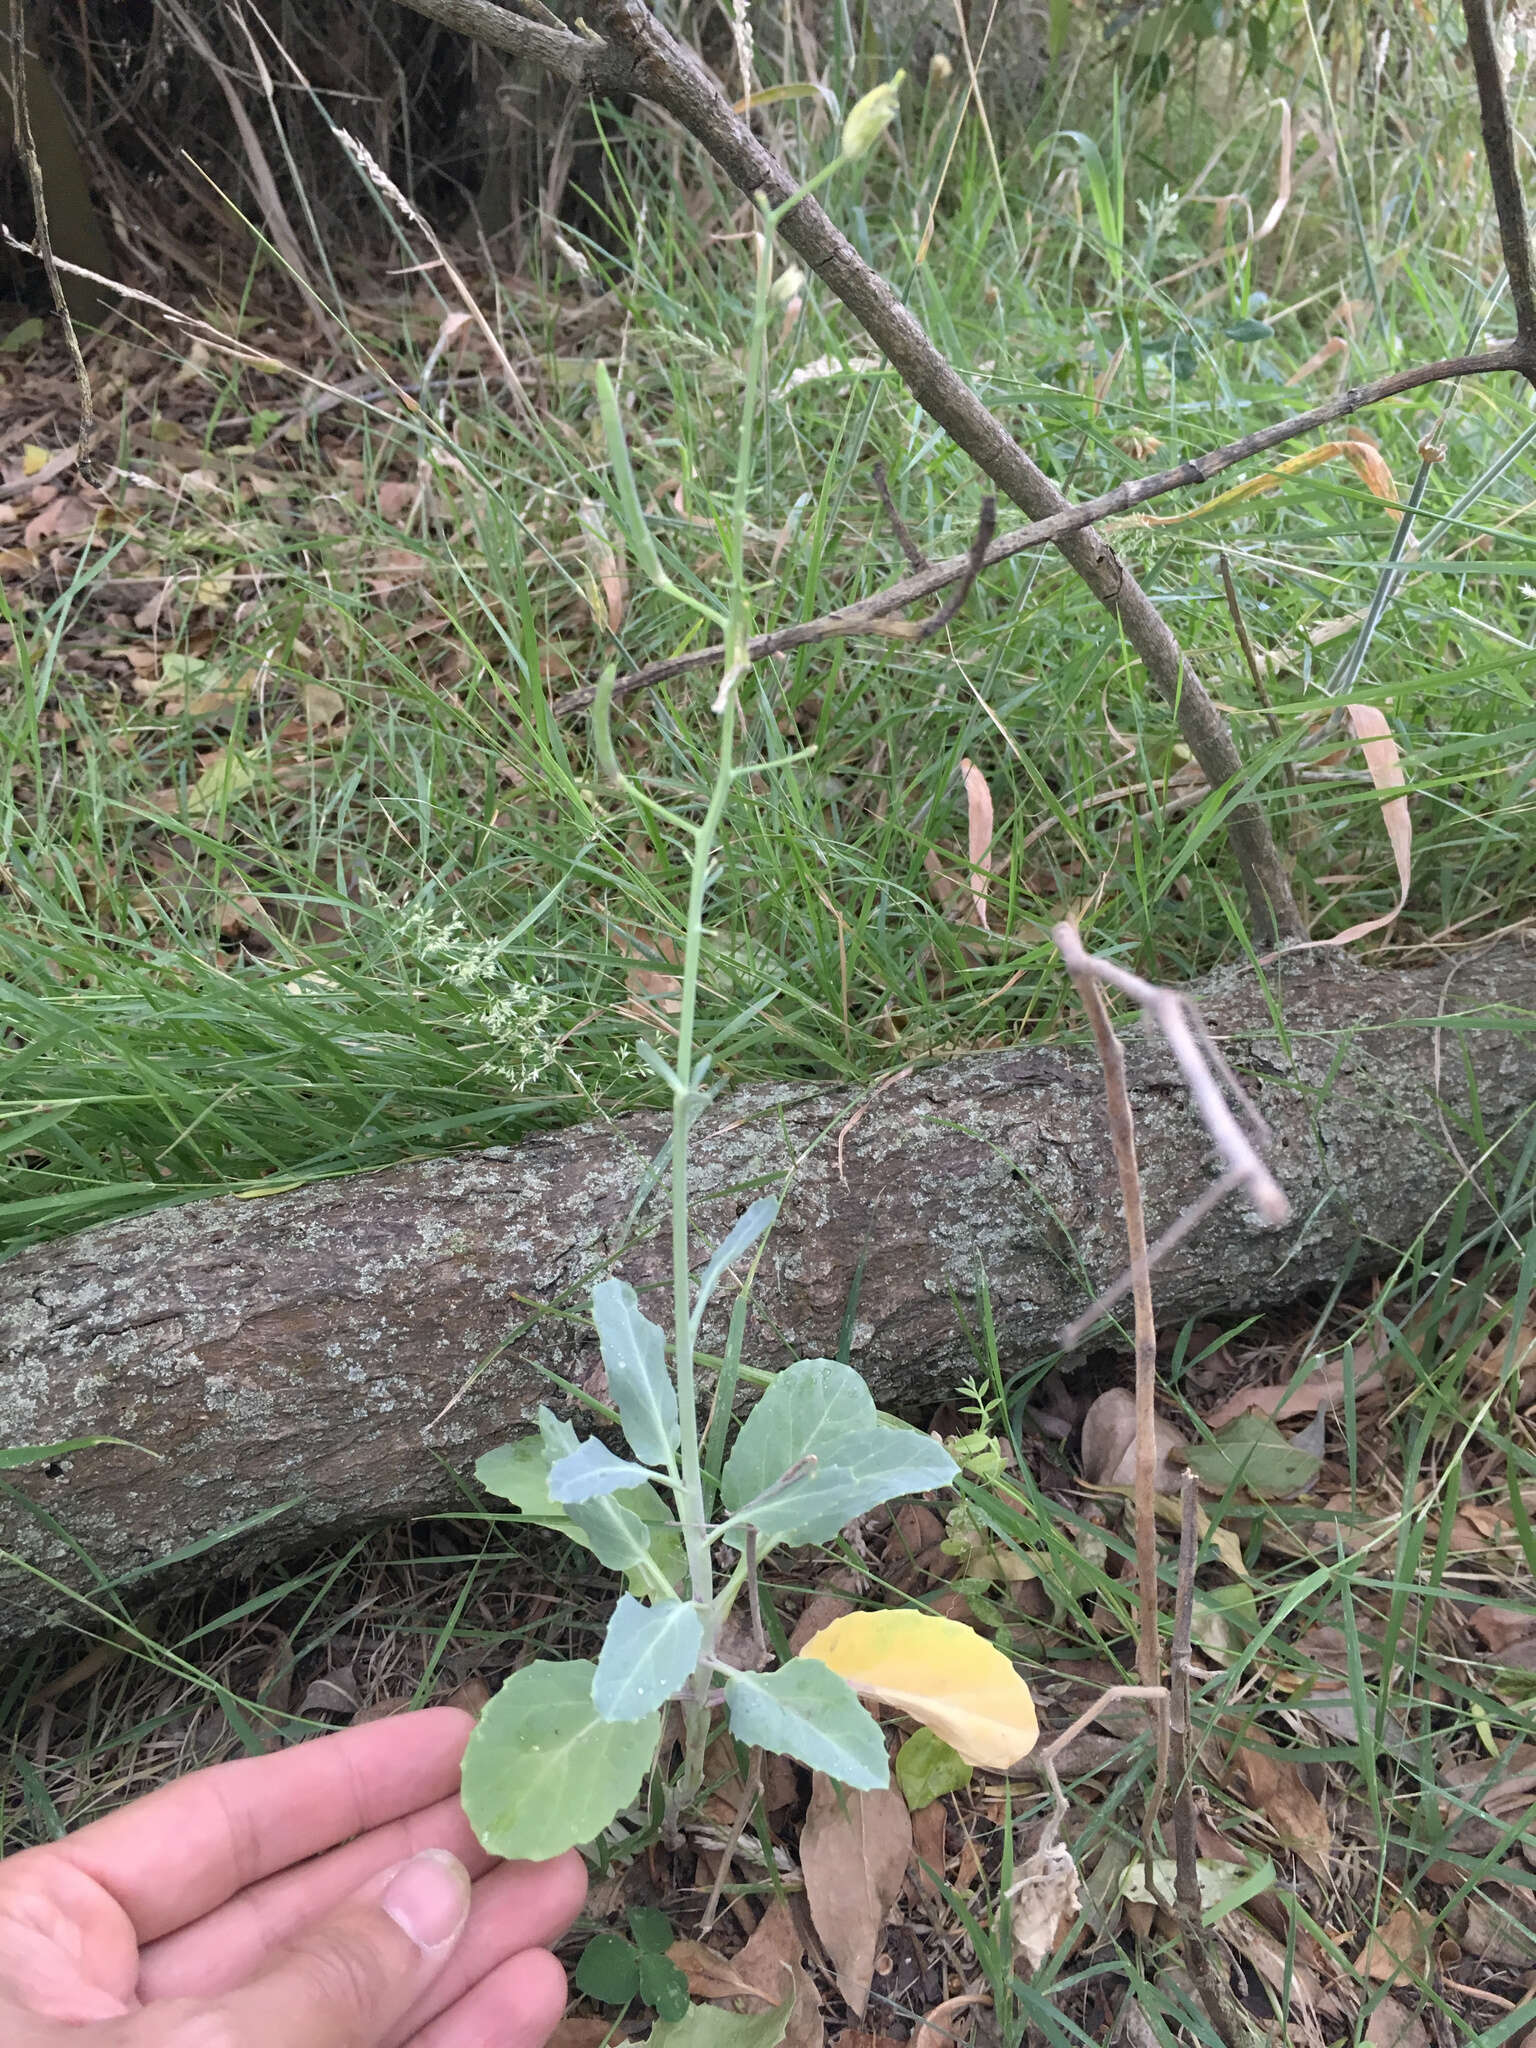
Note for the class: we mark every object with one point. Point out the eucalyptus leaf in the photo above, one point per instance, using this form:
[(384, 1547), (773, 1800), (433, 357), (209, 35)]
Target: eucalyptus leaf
[(747, 1229), (805, 1711), (1252, 1451), (822, 1409), (591, 1470), (635, 1353), (648, 1654), (543, 1771)]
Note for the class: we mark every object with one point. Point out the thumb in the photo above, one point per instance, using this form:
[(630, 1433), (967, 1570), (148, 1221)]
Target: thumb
[(347, 1981)]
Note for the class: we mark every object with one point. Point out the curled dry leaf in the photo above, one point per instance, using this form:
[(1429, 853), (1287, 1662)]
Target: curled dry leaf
[(1109, 1444), (606, 563), (1045, 1896), (937, 2028), (854, 1850), (979, 830), (1276, 1787)]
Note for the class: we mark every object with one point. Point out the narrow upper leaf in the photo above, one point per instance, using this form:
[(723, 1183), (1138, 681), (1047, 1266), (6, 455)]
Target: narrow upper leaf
[(592, 1469), (635, 1353), (543, 1771), (648, 1654), (743, 1234), (817, 1719)]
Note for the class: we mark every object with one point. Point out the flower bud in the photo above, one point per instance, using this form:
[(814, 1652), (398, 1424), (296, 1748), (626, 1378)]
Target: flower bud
[(869, 117)]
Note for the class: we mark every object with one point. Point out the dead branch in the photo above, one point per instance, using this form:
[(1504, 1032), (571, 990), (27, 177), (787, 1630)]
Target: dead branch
[(1206, 1074), (1503, 176), (865, 615), (1122, 1136), (659, 68)]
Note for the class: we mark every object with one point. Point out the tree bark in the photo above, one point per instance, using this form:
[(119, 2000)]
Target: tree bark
[(289, 1358)]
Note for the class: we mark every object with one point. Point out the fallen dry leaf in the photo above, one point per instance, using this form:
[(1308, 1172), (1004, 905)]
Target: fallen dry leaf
[(1044, 1904), (929, 1826), (854, 1850), (323, 706), (1398, 1949), (936, 2029), (1383, 759), (771, 1965), (1276, 1787), (1323, 1389), (1109, 1444), (1393, 2026)]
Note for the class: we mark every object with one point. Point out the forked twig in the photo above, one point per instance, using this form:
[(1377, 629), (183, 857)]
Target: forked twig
[(1205, 1074)]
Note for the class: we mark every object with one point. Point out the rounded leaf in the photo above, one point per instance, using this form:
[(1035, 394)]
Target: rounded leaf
[(543, 1771), (609, 1970), (941, 1673)]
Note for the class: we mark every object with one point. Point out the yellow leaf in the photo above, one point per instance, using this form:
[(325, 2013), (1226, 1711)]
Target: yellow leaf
[(941, 1673), (33, 459)]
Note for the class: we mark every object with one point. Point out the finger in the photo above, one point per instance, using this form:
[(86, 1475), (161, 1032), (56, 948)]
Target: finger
[(516, 2006), (349, 1978), (519, 1907), (229, 1944), (172, 1857)]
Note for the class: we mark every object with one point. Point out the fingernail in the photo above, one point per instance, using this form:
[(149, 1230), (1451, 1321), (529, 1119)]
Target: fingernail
[(429, 1898)]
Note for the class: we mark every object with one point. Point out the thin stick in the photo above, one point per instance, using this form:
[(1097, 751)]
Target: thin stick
[(1255, 671), (1122, 1135), (1223, 2010), (1172, 1015), (86, 437)]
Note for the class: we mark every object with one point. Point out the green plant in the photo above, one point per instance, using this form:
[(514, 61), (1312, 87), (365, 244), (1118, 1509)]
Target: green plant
[(615, 1971), (564, 1747)]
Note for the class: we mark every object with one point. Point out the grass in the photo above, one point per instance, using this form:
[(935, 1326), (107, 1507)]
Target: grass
[(303, 877)]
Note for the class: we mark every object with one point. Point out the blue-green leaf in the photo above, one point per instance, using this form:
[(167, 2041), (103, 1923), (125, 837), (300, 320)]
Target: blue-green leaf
[(713, 2026), (744, 1232), (543, 1771), (805, 1711), (591, 1470), (519, 1472), (648, 1654), (635, 1353), (820, 1409), (614, 1534)]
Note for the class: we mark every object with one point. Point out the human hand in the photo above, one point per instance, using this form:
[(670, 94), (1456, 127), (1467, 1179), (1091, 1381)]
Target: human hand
[(220, 1912)]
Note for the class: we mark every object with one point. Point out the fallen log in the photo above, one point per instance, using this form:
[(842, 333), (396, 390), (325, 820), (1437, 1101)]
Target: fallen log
[(304, 1364)]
